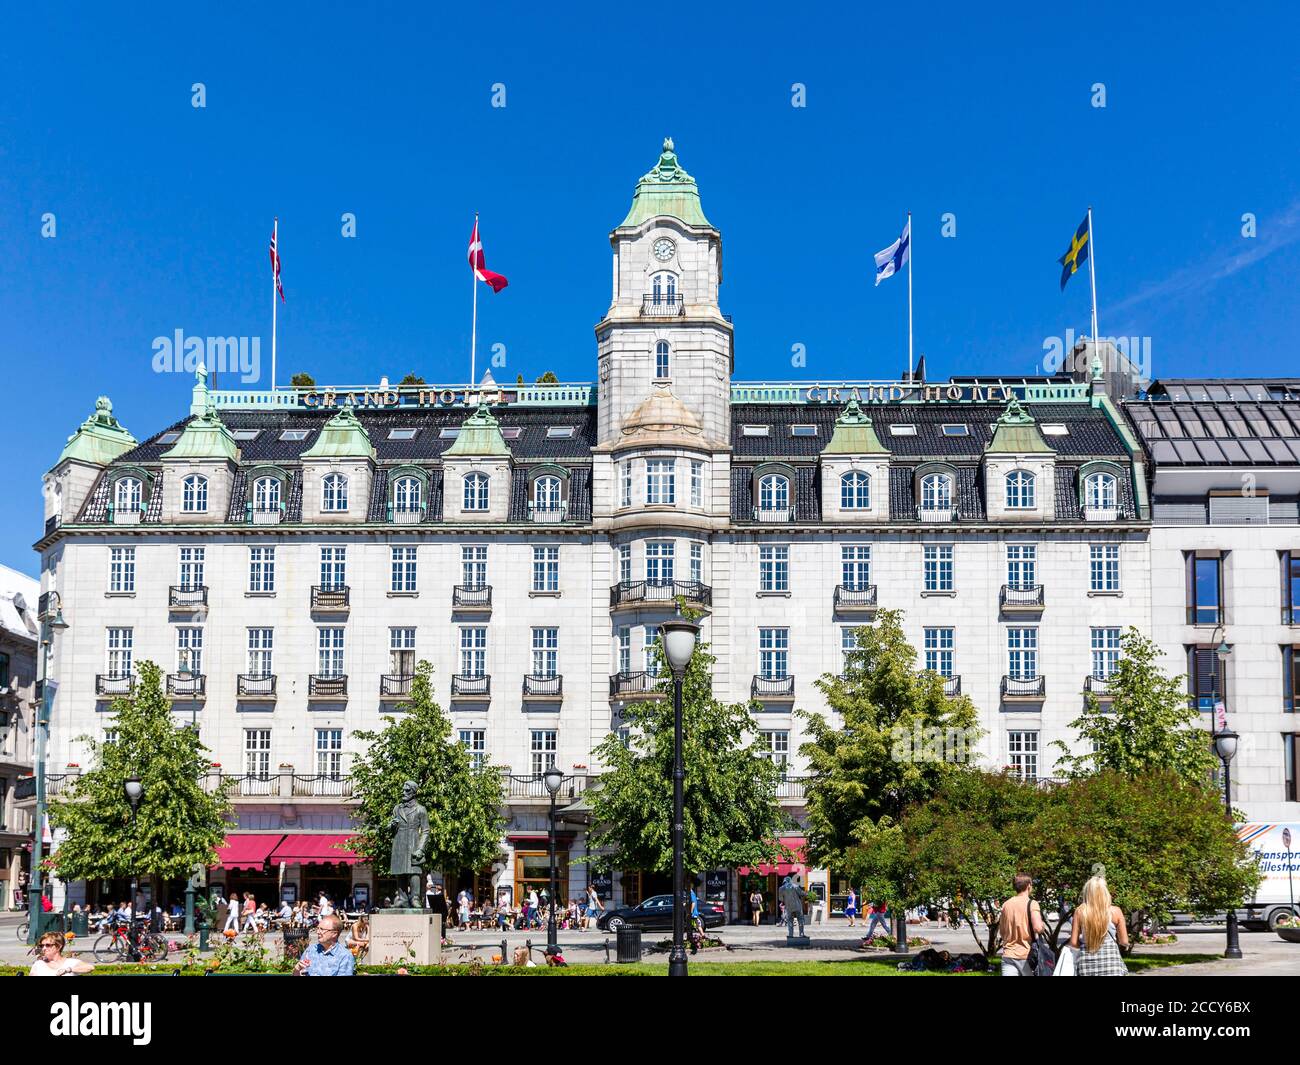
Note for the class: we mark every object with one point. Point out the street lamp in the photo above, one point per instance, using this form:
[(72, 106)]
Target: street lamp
[(133, 789), (1225, 746), (679, 635), (35, 891), (552, 778)]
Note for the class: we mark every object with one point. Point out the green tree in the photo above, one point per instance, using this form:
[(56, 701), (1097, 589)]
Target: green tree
[(731, 812), (464, 803), (302, 380), (548, 378), (411, 379), (900, 737), (1150, 723), (178, 825)]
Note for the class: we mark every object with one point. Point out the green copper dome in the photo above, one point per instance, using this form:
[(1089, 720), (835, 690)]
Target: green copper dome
[(100, 439), (342, 437), (854, 434), (666, 190), (480, 434), (1016, 433)]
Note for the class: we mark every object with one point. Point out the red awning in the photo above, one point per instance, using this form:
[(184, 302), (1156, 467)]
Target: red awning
[(304, 849), (794, 844), (247, 851)]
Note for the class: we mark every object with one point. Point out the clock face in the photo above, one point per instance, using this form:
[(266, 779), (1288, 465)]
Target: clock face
[(663, 249)]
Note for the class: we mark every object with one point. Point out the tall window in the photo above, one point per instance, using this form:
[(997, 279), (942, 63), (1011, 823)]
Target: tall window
[(329, 753), (119, 645), (774, 653), (191, 567), (937, 567), (127, 493), (697, 563), (473, 566), (660, 481), (663, 287), (849, 648), (623, 638), (624, 562), (194, 494), (697, 483), (773, 568), (407, 494), (1100, 492), (1022, 754), (855, 491), (649, 651), (659, 561), (334, 493), (1022, 654), (261, 643), (1103, 567), (777, 742), (1291, 587), (1020, 490), (261, 569), (329, 651), (474, 740), (1206, 678), (774, 492), (266, 493), (936, 492), (401, 650), (1105, 652), (476, 491), (1022, 565), (661, 359), (121, 569), (1205, 590), (257, 752), (546, 569), (333, 567), (625, 484), (546, 493), (546, 652), (1291, 679), (1291, 763), (473, 651), (542, 748), (404, 572), (855, 567), (938, 651), (189, 649)]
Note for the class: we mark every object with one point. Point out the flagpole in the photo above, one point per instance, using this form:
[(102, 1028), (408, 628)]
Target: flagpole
[(911, 252), (1092, 275), (275, 239), (473, 280)]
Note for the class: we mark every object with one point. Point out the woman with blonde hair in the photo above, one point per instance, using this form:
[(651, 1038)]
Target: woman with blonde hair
[(51, 962), (1098, 928)]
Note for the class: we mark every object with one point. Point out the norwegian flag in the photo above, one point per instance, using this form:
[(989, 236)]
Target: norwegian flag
[(275, 261), (497, 281)]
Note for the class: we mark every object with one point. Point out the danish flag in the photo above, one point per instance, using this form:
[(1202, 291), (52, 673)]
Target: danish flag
[(275, 262), (497, 281)]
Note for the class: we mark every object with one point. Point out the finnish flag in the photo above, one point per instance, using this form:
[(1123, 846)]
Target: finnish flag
[(892, 259)]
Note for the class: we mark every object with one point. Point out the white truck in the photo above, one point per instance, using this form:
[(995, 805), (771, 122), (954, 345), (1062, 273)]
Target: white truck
[(1277, 849)]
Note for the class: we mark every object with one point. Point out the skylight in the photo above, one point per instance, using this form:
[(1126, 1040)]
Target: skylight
[(1055, 429), (754, 430), (448, 434), (402, 434), (511, 432), (803, 430), (246, 434), (169, 438), (902, 430), (294, 434), (956, 430), (559, 432)]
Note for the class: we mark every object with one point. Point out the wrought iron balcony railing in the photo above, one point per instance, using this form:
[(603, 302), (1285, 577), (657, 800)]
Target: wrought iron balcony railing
[(471, 686), (265, 515), (631, 684), (1099, 686), (186, 685), (662, 306), (940, 515), (406, 515), (667, 592), (773, 515), (472, 597), (256, 685), (855, 597), (543, 686), (533, 785), (1024, 687), (1026, 597), (396, 685), (327, 686), (114, 683), (772, 687), (329, 597), (188, 596), (547, 515)]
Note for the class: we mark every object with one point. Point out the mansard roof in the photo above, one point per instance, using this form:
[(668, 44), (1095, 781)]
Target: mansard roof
[(1212, 423)]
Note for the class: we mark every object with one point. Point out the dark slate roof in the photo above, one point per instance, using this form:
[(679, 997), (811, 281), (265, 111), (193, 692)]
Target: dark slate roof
[(95, 509), (1217, 432), (579, 504), (238, 497)]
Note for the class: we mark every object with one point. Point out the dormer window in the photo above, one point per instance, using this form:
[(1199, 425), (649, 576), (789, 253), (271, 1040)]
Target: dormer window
[(334, 493), (476, 492), (407, 495), (855, 491), (266, 494), (661, 360), (546, 493), (1020, 490), (774, 492), (663, 288), (127, 494), (936, 492), (194, 494), (1100, 492)]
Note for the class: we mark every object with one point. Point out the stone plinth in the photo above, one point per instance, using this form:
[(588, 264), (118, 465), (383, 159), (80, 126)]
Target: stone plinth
[(413, 937)]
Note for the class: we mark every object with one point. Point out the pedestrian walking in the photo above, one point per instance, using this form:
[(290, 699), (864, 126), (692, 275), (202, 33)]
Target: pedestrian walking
[(879, 915), (250, 912), (428, 891), (851, 907), (1019, 923), (1099, 927), (232, 913), (462, 908), (594, 906), (756, 906)]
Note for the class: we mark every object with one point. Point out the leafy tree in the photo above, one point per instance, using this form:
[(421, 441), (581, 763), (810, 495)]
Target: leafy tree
[(464, 803), (901, 737), (548, 378), (1149, 725), (302, 380), (411, 379), (731, 813), (178, 824)]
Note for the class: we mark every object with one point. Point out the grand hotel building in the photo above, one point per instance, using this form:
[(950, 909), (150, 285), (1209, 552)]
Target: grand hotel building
[(288, 556)]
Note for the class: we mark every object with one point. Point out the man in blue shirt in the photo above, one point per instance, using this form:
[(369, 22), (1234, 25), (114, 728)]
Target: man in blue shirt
[(326, 957)]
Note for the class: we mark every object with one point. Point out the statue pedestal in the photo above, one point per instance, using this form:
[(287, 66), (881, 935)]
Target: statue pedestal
[(411, 937)]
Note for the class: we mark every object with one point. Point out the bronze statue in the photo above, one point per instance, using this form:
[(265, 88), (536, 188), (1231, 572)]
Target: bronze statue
[(792, 895), (411, 822)]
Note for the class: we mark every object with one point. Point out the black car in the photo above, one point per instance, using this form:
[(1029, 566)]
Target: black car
[(657, 912)]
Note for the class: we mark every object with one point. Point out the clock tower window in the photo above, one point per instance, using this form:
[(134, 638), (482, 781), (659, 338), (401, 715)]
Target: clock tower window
[(663, 288), (661, 360)]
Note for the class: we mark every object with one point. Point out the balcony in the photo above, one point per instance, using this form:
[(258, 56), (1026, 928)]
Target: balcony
[(283, 785), (186, 686), (637, 593), (791, 787), (265, 515), (1105, 514), (766, 689), (396, 685), (1100, 687), (406, 515), (114, 684), (533, 786), (1024, 689), (256, 686), (543, 687), (547, 515), (659, 306), (55, 784), (637, 685), (951, 683), (188, 597), (855, 599), (329, 598), (773, 515), (471, 686), (327, 686), (476, 597), (118, 516), (936, 515), (1022, 599)]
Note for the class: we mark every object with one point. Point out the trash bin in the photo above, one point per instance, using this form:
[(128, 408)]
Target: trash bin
[(49, 922), (295, 941), (80, 923), (629, 945)]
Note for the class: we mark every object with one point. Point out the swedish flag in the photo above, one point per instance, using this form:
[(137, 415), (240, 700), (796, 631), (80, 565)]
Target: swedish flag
[(1077, 254)]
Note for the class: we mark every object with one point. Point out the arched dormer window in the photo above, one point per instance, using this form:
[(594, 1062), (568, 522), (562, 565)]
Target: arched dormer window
[(1021, 492), (773, 497), (476, 492), (662, 366), (267, 494), (936, 491), (546, 493), (855, 491), (128, 494), (408, 495), (663, 288), (194, 494), (1101, 491), (334, 493)]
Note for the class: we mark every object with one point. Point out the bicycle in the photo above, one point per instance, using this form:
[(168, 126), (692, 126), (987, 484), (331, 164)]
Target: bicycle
[(22, 931), (115, 945)]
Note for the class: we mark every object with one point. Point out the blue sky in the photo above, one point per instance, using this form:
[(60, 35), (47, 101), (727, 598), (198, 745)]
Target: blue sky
[(163, 210)]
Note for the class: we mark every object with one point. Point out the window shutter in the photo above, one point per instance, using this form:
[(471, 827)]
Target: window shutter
[(1239, 510)]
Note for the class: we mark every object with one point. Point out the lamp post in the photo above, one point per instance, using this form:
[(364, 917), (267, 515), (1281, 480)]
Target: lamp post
[(35, 889), (552, 778), (134, 792), (679, 635), (1225, 746)]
